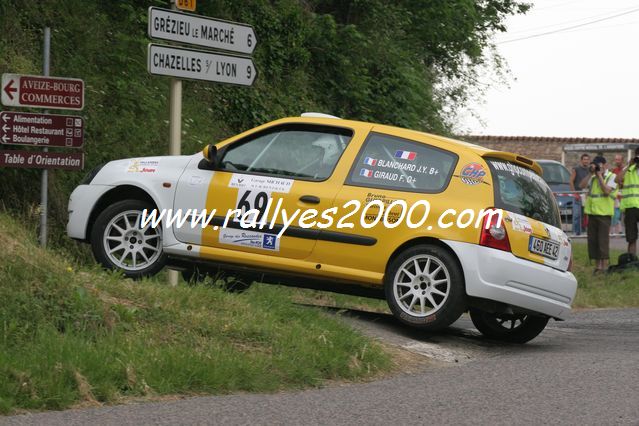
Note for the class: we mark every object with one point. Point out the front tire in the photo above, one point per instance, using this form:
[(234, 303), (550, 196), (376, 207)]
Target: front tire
[(118, 242), (424, 287), (512, 328)]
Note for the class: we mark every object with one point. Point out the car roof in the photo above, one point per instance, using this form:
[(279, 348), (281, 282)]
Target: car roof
[(444, 142)]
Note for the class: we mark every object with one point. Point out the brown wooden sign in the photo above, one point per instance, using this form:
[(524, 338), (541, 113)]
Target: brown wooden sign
[(42, 160), (22, 128), (38, 91)]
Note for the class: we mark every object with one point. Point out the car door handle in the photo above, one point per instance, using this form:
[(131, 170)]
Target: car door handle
[(311, 199)]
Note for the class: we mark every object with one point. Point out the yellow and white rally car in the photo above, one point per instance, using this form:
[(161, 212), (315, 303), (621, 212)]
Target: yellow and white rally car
[(398, 214)]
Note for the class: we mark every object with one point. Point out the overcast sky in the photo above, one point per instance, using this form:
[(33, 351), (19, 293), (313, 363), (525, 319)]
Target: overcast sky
[(576, 82)]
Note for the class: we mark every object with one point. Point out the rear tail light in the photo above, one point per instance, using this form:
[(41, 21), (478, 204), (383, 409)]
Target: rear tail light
[(570, 264), (495, 236)]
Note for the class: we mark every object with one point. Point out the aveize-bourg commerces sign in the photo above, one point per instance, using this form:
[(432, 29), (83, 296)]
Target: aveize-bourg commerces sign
[(41, 130), (42, 92)]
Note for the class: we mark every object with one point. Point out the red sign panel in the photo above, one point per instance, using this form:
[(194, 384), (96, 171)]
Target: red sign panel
[(42, 160), (21, 128), (42, 92)]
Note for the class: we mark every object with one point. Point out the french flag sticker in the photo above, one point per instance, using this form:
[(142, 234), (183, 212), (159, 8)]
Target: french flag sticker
[(366, 173), (370, 161), (405, 155)]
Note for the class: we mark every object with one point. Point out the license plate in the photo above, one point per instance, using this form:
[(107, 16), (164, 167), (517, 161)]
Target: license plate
[(565, 212), (549, 249)]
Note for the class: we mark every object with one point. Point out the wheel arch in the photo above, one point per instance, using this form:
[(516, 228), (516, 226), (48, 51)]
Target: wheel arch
[(426, 240), (119, 193)]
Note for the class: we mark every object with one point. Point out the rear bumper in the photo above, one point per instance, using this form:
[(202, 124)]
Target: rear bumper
[(500, 276)]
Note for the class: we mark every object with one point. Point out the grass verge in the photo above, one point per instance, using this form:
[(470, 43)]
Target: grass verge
[(70, 338), (616, 290)]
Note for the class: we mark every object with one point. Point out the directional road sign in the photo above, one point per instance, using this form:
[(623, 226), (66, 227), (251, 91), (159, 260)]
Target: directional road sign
[(42, 160), (203, 31), (21, 128), (199, 65), (42, 92)]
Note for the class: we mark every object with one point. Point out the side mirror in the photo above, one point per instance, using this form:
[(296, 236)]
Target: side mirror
[(210, 154)]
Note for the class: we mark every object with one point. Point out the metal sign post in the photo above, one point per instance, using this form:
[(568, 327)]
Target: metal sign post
[(42, 130), (180, 62), (44, 183), (175, 134)]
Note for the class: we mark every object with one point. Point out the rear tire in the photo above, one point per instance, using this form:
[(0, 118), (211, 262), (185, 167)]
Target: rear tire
[(118, 242), (512, 328), (424, 287)]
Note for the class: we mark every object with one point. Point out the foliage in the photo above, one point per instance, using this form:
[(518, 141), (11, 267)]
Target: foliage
[(406, 63)]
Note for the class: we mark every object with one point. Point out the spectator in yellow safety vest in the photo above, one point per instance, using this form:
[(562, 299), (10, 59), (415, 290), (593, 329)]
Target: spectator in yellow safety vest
[(630, 201), (600, 207)]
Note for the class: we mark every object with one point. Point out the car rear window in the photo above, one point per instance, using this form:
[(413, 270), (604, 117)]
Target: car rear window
[(521, 190), (389, 162)]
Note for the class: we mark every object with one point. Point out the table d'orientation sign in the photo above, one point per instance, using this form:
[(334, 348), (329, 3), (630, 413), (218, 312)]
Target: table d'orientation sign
[(42, 160)]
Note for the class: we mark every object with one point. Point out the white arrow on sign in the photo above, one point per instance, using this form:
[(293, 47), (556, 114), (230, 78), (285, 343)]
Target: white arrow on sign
[(6, 118), (5, 128), (198, 65), (5, 138), (201, 30)]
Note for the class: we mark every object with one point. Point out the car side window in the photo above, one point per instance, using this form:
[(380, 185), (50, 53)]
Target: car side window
[(395, 163), (300, 151)]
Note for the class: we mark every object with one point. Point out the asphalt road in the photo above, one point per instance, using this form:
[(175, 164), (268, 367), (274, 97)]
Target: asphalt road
[(581, 371)]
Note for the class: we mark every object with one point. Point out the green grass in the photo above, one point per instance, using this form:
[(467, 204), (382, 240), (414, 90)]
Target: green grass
[(616, 290), (70, 337)]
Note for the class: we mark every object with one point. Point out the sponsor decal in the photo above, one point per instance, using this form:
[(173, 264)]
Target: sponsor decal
[(518, 171), (366, 173), (248, 238), (520, 223), (472, 174), (143, 166), (405, 155), (370, 161), (261, 183)]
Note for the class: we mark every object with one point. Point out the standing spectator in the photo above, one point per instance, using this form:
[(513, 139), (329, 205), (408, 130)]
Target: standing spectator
[(630, 202), (578, 173), (615, 226), (600, 207)]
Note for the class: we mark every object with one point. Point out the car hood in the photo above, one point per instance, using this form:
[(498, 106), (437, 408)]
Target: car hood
[(131, 169)]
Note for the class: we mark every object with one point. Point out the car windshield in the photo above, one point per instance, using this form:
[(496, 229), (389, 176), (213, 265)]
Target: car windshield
[(555, 173), (520, 190)]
